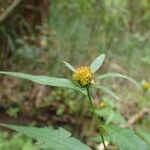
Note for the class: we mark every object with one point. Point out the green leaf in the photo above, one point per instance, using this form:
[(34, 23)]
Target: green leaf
[(110, 115), (48, 138), (107, 90), (125, 139), (97, 63), (115, 117), (145, 136), (45, 80), (114, 75), (69, 66)]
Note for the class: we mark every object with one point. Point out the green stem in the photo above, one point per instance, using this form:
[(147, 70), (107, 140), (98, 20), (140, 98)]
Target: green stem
[(95, 116)]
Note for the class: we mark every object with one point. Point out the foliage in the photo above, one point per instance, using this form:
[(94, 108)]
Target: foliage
[(114, 75), (62, 82), (145, 136), (59, 139), (45, 80), (125, 139), (77, 32), (49, 138), (13, 111), (117, 28), (109, 112), (15, 142)]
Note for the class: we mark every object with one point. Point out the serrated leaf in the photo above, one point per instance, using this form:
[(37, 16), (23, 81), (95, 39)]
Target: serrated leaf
[(97, 63), (125, 139), (114, 75), (45, 80), (69, 66), (107, 90), (145, 136), (48, 138)]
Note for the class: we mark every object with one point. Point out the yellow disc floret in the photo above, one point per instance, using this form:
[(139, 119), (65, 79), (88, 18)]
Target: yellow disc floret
[(146, 86), (83, 76)]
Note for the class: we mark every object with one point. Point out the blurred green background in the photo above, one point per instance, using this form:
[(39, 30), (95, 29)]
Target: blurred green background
[(37, 35)]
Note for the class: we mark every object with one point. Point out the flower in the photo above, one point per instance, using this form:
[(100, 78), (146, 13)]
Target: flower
[(43, 43), (102, 105), (83, 76), (146, 86)]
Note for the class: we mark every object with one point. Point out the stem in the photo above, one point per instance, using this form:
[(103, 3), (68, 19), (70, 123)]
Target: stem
[(95, 116)]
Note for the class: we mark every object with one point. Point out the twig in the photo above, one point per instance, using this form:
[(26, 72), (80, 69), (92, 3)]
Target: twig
[(9, 11), (137, 117)]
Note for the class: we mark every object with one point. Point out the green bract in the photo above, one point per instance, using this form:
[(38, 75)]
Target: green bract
[(96, 64)]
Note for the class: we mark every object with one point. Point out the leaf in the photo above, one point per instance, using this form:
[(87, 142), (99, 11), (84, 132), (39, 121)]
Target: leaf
[(45, 80), (115, 117), (125, 139), (110, 115), (48, 138), (114, 75), (145, 136), (102, 112), (97, 63), (107, 90), (69, 66)]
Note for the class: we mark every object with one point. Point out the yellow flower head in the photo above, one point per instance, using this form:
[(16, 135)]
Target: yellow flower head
[(146, 86), (102, 105), (83, 76)]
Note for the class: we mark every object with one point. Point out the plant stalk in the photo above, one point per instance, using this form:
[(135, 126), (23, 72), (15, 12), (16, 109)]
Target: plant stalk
[(95, 116)]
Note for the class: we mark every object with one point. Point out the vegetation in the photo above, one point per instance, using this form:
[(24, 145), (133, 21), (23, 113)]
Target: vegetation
[(36, 36)]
